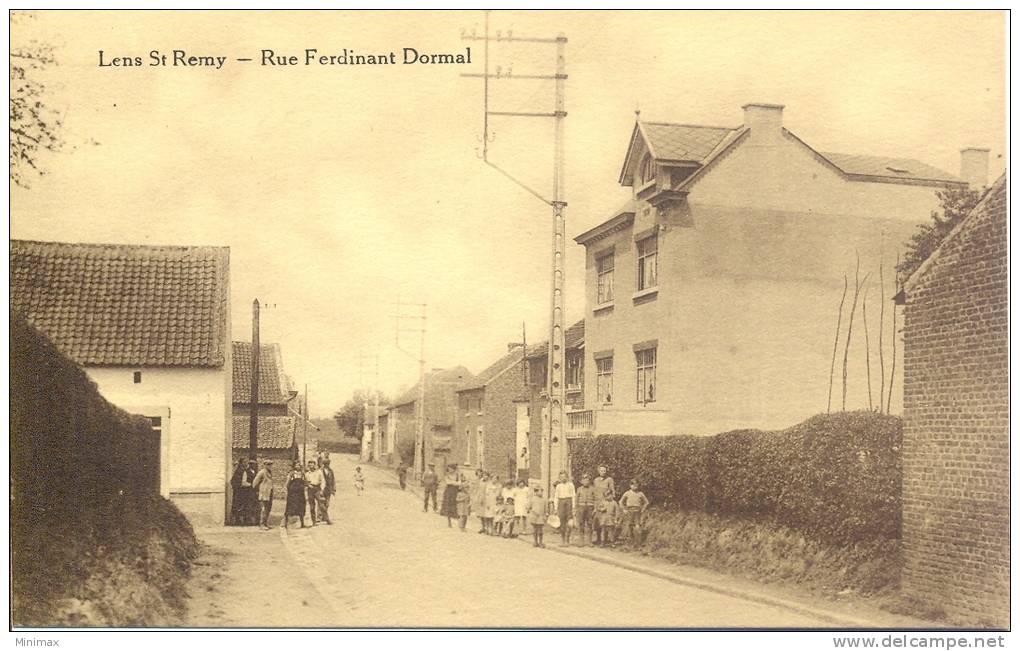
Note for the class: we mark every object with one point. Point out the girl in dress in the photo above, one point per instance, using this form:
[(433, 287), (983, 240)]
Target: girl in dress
[(295, 495), (478, 497), (521, 497), (492, 490)]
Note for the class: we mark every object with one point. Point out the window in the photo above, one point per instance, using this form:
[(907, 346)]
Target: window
[(645, 375), (604, 384), (604, 268), (648, 262), (138, 377), (538, 372), (480, 406), (647, 171), (574, 371), (156, 422), (465, 404)]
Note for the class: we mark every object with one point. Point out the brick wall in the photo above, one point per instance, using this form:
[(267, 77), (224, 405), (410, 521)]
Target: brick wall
[(956, 412), (498, 421)]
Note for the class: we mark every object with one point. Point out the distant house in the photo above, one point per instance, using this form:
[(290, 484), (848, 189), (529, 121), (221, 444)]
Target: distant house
[(370, 441), (151, 327), (440, 407), (956, 473), (278, 421), (712, 294)]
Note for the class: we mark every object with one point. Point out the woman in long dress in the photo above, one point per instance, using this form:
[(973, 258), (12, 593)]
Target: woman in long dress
[(454, 480), (478, 496), (295, 495)]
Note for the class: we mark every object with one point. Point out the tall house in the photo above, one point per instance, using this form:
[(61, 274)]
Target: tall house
[(712, 296), (151, 327), (439, 413)]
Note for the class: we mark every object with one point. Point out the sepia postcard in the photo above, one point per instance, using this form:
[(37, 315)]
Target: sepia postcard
[(510, 319)]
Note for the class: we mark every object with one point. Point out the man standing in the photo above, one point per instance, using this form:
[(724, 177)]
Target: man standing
[(523, 464), (328, 489), (313, 479), (402, 474), (263, 487), (430, 483)]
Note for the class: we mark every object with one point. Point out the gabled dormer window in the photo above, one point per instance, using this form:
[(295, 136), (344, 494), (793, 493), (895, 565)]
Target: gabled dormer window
[(647, 170)]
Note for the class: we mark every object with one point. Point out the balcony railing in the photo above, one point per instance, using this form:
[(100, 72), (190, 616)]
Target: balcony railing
[(581, 421)]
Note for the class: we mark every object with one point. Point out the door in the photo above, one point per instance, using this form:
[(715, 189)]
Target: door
[(523, 425), (480, 446)]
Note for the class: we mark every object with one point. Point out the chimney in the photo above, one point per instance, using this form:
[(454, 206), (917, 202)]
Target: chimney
[(974, 167), (764, 120)]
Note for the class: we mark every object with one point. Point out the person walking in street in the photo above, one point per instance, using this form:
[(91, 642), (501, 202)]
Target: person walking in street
[(402, 474), (453, 482), (359, 481), (295, 496), (585, 511), (313, 480), (566, 500), (263, 485), (538, 512), (633, 504), (429, 485), (328, 490), (238, 505)]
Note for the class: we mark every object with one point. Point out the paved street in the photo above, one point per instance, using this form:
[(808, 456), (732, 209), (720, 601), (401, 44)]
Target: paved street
[(385, 563)]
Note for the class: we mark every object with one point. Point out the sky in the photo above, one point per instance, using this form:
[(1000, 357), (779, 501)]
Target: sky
[(342, 190)]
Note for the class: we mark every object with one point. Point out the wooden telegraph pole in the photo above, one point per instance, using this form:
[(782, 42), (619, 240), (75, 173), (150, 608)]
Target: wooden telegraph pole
[(253, 423), (553, 434)]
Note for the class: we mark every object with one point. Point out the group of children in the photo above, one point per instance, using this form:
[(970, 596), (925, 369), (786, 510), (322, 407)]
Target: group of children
[(508, 510)]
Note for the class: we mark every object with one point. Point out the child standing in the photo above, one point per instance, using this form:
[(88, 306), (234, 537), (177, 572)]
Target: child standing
[(508, 517), (359, 481), (491, 506), (538, 511), (463, 507), (633, 503), (497, 518), (521, 506), (606, 519), (566, 503), (584, 514)]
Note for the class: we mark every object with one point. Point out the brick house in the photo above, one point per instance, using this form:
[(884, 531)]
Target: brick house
[(493, 416), (151, 327), (277, 424), (441, 387), (712, 294), (956, 494)]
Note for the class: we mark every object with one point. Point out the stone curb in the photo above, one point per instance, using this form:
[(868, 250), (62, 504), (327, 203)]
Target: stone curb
[(825, 615)]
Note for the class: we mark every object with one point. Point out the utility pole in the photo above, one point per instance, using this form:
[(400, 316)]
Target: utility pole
[(304, 444), (553, 434), (376, 434), (419, 426), (253, 423)]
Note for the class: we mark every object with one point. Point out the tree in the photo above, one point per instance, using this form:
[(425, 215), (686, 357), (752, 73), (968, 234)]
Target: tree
[(956, 204), (34, 125), (350, 420)]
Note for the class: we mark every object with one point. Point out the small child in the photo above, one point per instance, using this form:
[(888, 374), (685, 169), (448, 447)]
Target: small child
[(463, 507), (508, 518), (606, 519), (538, 511), (497, 519), (359, 481), (633, 503)]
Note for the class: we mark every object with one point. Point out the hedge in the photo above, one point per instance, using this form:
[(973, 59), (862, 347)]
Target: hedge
[(835, 477), (88, 525)]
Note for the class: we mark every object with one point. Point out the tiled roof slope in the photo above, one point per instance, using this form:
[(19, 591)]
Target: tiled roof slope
[(456, 376), (895, 168), (274, 432), (511, 359), (572, 338), (683, 142), (271, 383), (126, 305)]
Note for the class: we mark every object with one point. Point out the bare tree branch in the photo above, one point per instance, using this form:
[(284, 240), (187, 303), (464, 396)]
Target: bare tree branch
[(835, 344)]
